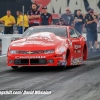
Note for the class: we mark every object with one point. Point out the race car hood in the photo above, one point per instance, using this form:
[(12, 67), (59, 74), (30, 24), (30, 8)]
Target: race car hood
[(38, 41)]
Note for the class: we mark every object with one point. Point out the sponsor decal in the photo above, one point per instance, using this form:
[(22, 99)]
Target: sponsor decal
[(77, 46), (81, 59), (41, 4), (61, 6), (44, 34), (63, 63), (77, 51), (76, 61), (32, 42), (29, 57), (29, 52), (41, 38)]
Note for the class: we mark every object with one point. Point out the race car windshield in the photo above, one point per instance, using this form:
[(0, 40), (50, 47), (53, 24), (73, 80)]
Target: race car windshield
[(56, 30)]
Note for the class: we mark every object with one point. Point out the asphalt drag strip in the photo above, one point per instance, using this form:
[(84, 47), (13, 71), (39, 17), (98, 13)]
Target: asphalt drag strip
[(73, 83)]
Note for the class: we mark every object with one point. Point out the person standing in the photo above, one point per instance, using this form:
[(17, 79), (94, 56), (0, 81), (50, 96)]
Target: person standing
[(88, 34), (78, 21), (61, 22), (92, 21), (19, 22), (45, 17), (34, 16), (8, 22), (26, 24), (68, 17)]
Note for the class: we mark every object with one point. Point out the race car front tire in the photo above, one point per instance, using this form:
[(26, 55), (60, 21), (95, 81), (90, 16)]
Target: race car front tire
[(14, 67), (65, 65)]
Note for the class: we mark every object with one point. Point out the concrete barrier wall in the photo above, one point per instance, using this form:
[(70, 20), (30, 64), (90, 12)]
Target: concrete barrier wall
[(5, 41), (1, 27)]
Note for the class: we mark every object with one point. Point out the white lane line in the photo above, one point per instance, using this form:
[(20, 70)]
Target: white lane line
[(3, 56)]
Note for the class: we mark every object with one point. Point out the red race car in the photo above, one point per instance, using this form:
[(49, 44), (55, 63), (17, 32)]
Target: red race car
[(52, 45)]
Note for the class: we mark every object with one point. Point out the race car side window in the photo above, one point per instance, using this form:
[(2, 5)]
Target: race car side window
[(73, 34), (78, 34)]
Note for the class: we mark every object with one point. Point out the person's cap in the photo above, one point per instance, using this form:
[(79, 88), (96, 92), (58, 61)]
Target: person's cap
[(88, 8), (44, 7), (91, 11), (79, 10)]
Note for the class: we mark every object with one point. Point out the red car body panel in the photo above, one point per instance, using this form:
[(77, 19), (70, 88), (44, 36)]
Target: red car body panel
[(67, 51)]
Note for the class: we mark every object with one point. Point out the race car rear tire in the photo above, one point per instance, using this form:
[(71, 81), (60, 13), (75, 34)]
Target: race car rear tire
[(85, 53), (14, 67)]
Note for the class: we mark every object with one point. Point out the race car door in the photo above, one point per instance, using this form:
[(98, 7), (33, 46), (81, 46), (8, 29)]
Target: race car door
[(74, 37)]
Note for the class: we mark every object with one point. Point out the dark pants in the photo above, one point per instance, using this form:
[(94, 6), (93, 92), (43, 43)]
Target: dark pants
[(87, 36), (30, 25), (20, 29), (79, 28), (8, 30), (92, 35), (25, 29)]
